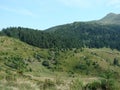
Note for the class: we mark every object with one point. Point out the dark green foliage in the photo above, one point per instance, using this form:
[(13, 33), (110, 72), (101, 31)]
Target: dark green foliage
[(116, 62), (81, 66), (86, 66), (93, 86), (30, 69), (16, 62), (109, 75), (45, 63), (75, 35), (88, 62), (37, 56), (103, 84), (76, 50), (108, 84), (89, 34), (30, 36)]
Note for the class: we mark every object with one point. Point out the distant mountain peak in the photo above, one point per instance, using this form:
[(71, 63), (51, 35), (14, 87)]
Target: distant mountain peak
[(111, 14), (111, 18)]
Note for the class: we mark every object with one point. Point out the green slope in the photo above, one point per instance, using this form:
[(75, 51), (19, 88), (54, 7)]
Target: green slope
[(22, 63), (63, 60), (12, 48)]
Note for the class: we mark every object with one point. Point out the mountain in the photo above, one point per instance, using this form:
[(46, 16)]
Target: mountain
[(76, 56), (100, 33), (89, 34), (111, 18), (94, 34)]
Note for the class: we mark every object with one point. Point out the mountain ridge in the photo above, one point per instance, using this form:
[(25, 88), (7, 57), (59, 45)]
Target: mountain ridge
[(111, 18), (74, 35)]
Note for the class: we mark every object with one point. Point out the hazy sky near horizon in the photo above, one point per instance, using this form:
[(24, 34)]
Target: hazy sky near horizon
[(42, 14)]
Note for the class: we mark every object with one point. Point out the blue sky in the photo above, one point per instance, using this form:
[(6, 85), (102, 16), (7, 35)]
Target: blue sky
[(42, 14)]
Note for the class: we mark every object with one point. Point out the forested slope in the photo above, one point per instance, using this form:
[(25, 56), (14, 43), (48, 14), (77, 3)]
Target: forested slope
[(75, 35)]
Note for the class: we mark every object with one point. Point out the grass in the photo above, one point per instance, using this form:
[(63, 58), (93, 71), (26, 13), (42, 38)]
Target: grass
[(66, 71)]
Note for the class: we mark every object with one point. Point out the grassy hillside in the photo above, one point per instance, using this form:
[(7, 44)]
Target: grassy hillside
[(10, 48), (24, 67)]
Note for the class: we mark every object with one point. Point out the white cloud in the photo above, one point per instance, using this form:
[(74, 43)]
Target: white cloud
[(21, 11)]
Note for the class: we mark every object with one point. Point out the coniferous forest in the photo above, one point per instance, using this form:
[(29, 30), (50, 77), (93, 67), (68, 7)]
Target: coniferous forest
[(75, 35)]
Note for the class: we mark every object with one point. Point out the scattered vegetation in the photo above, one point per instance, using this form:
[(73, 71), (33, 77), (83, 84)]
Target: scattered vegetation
[(30, 68)]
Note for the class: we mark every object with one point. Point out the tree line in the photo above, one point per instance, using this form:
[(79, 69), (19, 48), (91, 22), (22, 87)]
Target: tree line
[(75, 35)]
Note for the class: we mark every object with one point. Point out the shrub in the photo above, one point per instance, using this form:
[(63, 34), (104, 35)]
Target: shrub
[(37, 56), (93, 86), (107, 84), (101, 85), (45, 63), (116, 62), (17, 63), (81, 66), (48, 85)]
